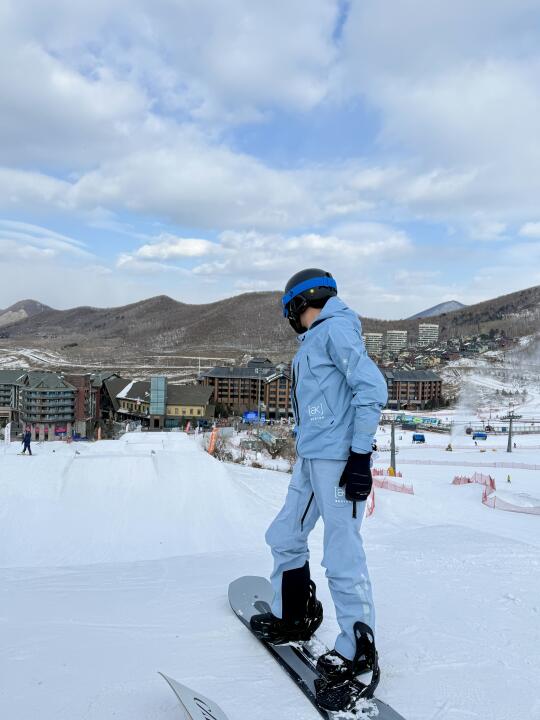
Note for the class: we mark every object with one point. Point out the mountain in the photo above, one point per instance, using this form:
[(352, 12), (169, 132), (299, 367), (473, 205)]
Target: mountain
[(439, 309), (252, 321), (21, 311), (517, 314), (248, 323)]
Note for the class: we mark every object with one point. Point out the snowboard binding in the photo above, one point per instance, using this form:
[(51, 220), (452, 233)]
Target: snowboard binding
[(279, 631), (339, 688)]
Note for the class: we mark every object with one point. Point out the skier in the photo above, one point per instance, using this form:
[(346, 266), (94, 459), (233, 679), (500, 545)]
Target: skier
[(337, 396), (26, 439)]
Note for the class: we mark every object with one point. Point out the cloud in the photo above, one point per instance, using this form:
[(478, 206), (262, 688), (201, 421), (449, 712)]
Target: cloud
[(456, 100), (341, 250), (168, 247), (29, 241), (530, 229)]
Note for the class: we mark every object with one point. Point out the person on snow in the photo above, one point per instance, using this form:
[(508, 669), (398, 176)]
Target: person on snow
[(26, 439), (337, 396)]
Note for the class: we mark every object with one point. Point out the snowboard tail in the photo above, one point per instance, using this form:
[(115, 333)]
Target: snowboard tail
[(194, 705), (250, 595)]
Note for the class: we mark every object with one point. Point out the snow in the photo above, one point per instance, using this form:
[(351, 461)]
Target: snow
[(115, 564)]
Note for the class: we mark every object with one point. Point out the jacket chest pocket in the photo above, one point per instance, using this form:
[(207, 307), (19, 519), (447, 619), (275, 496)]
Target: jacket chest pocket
[(316, 406)]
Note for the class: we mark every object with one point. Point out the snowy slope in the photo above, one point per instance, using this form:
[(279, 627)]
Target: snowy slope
[(456, 585)]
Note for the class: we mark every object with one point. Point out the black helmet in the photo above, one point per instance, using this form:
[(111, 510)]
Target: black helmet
[(306, 288)]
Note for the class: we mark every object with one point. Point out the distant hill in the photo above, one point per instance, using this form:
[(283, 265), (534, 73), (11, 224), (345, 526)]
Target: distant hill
[(21, 311), (439, 309), (252, 321), (248, 323)]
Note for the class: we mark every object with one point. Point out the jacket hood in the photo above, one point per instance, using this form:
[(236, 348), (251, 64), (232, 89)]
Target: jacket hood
[(335, 307)]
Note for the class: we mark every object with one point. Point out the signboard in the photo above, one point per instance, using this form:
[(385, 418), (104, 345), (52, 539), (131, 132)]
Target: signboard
[(7, 434), (416, 420), (60, 430), (251, 416)]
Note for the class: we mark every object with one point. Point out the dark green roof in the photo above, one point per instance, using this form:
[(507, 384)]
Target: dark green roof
[(188, 395), (411, 375), (255, 373), (10, 377)]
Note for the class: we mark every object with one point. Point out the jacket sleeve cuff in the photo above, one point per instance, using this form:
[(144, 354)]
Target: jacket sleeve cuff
[(362, 443)]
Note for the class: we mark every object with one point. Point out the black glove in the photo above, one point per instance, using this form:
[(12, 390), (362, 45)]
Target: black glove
[(357, 476)]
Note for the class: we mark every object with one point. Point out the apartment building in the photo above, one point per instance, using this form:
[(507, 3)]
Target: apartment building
[(47, 404), (413, 389), (258, 385), (428, 334), (396, 340), (374, 343)]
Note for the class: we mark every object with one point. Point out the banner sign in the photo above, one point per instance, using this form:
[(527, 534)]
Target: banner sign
[(252, 417), (7, 434), (416, 420)]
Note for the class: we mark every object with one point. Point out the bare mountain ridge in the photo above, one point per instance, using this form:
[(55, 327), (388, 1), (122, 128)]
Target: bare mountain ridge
[(161, 323), (444, 307), (20, 311), (247, 322)]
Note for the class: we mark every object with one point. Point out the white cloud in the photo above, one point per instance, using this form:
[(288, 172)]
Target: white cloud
[(530, 229), (32, 241), (455, 88), (486, 229), (169, 247)]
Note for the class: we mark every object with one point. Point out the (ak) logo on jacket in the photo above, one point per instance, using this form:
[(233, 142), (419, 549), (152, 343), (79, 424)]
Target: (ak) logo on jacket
[(339, 493), (316, 412)]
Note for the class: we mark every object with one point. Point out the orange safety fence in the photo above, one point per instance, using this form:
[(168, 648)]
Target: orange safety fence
[(380, 480), (213, 438), (380, 472), (489, 497), (370, 503)]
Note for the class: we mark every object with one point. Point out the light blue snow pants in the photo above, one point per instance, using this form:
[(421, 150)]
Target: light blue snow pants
[(344, 558)]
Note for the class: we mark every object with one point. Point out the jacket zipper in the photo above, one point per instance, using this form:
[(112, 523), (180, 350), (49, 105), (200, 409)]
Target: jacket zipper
[(306, 511), (295, 400)]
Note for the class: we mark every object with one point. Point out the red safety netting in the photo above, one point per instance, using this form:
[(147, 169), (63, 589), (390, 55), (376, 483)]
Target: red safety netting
[(489, 497), (370, 503), (385, 482), (479, 478), (390, 483), (379, 472)]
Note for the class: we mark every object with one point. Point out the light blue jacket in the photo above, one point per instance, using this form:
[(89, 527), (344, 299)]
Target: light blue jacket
[(337, 390)]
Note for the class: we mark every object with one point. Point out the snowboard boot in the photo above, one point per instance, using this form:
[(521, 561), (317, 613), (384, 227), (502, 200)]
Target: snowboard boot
[(339, 688), (302, 612)]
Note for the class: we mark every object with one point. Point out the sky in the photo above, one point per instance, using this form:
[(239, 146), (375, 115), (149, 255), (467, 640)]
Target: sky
[(208, 148)]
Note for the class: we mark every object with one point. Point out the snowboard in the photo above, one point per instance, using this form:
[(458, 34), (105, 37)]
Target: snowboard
[(194, 705), (250, 595)]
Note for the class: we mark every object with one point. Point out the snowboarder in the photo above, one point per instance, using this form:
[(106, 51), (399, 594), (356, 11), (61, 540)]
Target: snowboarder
[(337, 396), (26, 439)]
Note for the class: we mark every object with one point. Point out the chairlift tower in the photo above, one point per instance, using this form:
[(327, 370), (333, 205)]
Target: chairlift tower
[(511, 416)]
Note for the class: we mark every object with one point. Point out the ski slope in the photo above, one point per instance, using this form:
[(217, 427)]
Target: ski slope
[(115, 563)]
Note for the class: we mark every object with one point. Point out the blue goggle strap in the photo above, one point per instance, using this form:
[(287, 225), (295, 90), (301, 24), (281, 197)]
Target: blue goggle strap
[(306, 285)]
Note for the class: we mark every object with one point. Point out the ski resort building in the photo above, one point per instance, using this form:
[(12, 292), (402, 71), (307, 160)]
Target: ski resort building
[(51, 404), (9, 395), (47, 405), (413, 389), (156, 403), (259, 386)]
